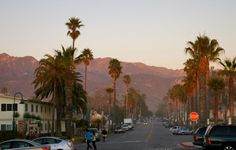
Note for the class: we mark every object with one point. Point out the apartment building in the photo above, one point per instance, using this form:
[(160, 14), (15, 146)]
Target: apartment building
[(32, 116)]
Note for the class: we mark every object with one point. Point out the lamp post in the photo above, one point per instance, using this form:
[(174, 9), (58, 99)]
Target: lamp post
[(14, 108)]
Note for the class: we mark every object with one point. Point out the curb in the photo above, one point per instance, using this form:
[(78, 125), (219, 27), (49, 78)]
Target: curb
[(186, 145)]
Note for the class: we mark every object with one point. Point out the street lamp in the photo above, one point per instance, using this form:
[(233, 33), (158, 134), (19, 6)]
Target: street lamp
[(15, 107)]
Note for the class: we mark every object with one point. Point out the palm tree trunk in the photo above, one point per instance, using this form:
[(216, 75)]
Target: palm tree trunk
[(216, 108), (202, 99), (231, 99), (114, 87), (85, 78), (68, 116)]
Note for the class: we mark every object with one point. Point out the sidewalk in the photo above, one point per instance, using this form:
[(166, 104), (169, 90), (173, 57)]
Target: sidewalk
[(186, 145)]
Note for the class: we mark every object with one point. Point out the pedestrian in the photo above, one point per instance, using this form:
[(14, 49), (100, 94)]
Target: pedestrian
[(88, 137), (104, 134), (94, 140)]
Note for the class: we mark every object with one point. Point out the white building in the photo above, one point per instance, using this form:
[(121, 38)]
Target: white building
[(32, 116)]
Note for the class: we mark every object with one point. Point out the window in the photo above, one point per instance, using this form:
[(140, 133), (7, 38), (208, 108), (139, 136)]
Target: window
[(9, 127), (3, 127), (36, 108), (9, 107), (46, 127), (26, 107), (41, 109), (32, 108), (3, 107), (14, 107)]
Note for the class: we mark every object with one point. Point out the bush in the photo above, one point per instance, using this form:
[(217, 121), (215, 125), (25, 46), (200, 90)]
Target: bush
[(6, 135), (77, 139)]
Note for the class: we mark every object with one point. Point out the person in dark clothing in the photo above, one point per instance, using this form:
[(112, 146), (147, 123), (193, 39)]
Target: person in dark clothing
[(104, 134)]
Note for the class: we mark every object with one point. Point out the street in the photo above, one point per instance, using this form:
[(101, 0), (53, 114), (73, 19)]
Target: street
[(144, 137)]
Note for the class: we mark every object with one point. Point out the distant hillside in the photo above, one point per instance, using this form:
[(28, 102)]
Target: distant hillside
[(17, 74)]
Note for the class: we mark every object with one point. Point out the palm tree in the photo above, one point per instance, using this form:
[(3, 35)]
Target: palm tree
[(115, 69), (67, 57), (230, 71), (85, 58), (204, 50), (48, 82), (109, 91), (73, 25), (127, 81), (216, 84)]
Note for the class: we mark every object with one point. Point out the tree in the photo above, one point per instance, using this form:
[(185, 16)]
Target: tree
[(229, 70), (216, 84), (73, 25), (115, 69), (85, 58), (204, 50), (109, 92), (66, 56), (127, 81), (48, 82)]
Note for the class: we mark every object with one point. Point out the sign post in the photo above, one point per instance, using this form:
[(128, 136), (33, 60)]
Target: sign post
[(194, 116)]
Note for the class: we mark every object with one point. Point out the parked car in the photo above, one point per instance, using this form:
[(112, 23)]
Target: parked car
[(22, 144), (175, 129), (98, 134), (55, 143), (184, 131), (125, 127), (222, 137), (198, 136), (119, 130)]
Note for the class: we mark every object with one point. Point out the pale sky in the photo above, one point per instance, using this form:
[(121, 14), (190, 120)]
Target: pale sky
[(154, 32)]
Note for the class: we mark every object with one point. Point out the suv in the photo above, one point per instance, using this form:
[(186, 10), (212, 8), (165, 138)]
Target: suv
[(198, 136), (221, 137)]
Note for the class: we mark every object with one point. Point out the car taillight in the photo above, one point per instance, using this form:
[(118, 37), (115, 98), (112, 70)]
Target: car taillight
[(208, 141), (195, 138), (46, 148)]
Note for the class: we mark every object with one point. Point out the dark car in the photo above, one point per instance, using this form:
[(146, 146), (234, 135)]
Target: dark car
[(198, 136), (222, 137)]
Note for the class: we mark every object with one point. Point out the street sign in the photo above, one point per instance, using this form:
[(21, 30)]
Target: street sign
[(193, 116)]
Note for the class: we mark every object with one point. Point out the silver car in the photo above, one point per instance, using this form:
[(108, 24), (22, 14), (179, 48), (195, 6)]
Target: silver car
[(22, 144), (55, 143)]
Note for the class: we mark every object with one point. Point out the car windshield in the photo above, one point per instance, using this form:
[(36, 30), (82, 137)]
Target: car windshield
[(149, 72)]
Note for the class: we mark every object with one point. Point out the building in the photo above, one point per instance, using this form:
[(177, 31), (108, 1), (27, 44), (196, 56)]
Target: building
[(34, 117)]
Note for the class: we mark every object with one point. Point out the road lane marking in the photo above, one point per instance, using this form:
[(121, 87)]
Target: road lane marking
[(121, 142), (149, 135)]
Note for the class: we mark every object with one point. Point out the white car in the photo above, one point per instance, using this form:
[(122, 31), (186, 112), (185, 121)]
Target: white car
[(22, 144), (175, 129), (55, 143)]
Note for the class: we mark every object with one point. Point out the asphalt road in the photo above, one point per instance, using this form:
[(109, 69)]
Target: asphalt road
[(143, 137)]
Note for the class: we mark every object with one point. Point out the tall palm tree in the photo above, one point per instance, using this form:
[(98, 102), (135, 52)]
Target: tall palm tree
[(204, 50), (109, 92), (74, 25), (115, 69), (85, 58), (216, 84), (229, 69), (48, 82), (67, 57), (127, 81)]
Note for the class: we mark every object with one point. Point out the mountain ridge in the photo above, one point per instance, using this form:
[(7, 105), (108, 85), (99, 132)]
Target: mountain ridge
[(17, 74)]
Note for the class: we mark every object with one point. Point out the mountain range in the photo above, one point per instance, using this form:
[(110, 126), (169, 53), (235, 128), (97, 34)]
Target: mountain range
[(17, 74)]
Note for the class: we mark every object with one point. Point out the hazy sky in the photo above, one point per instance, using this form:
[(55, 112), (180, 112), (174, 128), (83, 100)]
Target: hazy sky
[(154, 32)]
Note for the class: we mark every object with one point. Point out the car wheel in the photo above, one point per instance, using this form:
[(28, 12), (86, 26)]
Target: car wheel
[(228, 147)]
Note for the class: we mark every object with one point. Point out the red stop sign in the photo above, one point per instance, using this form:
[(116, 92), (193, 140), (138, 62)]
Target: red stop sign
[(193, 116)]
